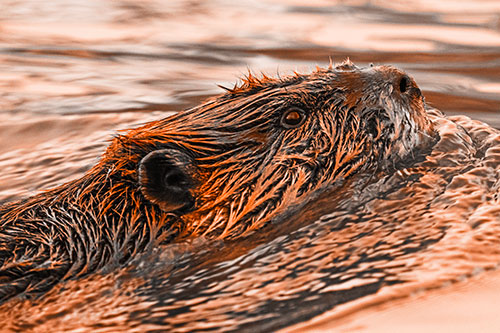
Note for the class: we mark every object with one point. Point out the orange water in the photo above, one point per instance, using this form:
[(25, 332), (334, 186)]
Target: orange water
[(72, 73)]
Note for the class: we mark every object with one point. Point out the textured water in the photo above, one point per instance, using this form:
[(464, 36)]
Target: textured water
[(72, 73)]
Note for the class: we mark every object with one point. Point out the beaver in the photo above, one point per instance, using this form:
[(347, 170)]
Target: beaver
[(221, 170)]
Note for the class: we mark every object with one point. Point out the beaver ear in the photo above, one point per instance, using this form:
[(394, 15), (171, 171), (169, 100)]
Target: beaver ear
[(164, 179)]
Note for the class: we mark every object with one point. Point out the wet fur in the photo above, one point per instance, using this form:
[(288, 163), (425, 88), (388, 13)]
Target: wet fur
[(244, 168)]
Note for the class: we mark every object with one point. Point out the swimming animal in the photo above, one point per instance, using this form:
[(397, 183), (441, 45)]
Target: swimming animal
[(221, 170)]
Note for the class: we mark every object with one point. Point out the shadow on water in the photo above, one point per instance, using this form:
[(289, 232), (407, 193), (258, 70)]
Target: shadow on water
[(73, 73)]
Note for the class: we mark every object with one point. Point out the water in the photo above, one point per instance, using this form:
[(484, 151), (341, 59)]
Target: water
[(73, 73)]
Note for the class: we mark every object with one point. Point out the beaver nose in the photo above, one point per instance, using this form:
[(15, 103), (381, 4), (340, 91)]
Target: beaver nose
[(405, 85)]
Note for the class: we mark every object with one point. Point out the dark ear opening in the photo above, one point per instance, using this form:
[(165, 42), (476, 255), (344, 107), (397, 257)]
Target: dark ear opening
[(165, 179)]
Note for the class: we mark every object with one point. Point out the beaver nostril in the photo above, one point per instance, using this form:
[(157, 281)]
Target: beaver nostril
[(404, 84)]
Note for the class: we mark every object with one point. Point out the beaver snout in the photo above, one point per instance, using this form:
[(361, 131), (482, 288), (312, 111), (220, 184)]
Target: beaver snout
[(166, 179), (405, 85)]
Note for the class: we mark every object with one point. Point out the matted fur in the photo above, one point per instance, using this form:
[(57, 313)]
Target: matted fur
[(247, 169)]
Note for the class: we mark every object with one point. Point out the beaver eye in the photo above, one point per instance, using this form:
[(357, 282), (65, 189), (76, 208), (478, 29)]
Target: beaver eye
[(292, 118)]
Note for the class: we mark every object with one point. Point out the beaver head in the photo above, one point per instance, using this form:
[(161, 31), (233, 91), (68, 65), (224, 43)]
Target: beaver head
[(220, 170), (237, 161)]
